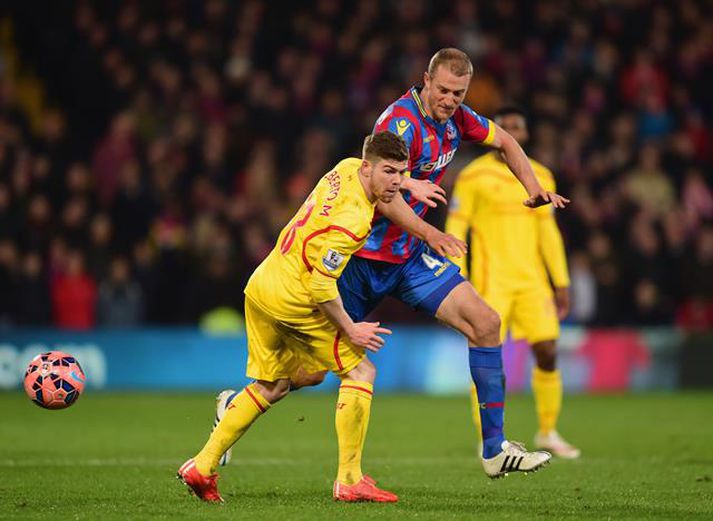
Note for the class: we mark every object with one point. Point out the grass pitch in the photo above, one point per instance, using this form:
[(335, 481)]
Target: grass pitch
[(114, 457)]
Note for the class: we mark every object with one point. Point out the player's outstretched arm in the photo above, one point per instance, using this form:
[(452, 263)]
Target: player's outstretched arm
[(516, 159), (360, 334), (400, 213)]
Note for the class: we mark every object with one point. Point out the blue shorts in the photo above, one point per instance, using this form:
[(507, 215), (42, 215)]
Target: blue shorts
[(422, 282)]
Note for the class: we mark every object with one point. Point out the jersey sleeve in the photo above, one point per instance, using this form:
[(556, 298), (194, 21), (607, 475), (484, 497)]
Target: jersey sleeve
[(475, 127), (550, 240), (460, 213), (341, 239)]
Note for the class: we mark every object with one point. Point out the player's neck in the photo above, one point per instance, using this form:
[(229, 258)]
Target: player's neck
[(423, 95)]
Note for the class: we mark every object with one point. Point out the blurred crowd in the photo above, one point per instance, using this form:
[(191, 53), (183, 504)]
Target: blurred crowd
[(183, 134)]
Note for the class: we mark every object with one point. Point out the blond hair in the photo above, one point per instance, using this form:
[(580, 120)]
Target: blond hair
[(456, 60)]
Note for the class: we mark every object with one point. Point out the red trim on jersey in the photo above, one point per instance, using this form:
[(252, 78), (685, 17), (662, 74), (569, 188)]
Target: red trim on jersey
[(329, 228), (494, 405), (255, 400), (362, 389), (289, 237), (324, 273), (336, 352)]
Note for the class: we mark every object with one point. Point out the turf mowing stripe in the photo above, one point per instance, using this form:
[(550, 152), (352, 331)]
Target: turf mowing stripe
[(138, 462)]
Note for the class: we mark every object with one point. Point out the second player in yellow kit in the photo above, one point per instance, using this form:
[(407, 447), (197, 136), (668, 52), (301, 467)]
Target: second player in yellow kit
[(296, 322), (517, 257), (506, 241)]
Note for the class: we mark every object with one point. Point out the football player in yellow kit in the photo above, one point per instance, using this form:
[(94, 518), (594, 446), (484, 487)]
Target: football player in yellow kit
[(517, 257), (296, 321)]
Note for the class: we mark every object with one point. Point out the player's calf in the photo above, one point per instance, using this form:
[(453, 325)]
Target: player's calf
[(222, 402)]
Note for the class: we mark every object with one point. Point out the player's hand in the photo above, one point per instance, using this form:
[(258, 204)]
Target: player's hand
[(426, 192), (543, 197), (562, 302), (366, 335), (445, 244)]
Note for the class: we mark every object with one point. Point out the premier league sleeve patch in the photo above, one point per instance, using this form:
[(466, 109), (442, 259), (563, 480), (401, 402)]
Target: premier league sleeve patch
[(332, 260)]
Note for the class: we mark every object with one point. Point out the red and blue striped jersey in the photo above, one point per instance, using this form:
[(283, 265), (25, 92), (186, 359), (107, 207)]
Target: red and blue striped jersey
[(432, 146)]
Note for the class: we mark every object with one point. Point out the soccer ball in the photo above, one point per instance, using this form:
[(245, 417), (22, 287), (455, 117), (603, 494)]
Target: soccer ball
[(54, 380)]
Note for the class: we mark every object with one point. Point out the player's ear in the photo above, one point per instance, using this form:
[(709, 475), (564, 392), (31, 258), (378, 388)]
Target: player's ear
[(366, 167), (426, 78)]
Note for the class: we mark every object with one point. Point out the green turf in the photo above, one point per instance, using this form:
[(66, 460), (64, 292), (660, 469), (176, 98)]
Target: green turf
[(114, 456)]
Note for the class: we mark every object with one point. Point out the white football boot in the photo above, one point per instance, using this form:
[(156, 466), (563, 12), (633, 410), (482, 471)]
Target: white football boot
[(221, 404), (514, 458), (557, 445)]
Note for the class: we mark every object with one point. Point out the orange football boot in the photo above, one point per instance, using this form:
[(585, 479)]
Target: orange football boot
[(205, 487)]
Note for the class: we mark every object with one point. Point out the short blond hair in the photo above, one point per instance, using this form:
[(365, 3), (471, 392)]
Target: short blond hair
[(456, 60)]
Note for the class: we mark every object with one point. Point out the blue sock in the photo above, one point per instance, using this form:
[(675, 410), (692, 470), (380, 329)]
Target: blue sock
[(486, 368)]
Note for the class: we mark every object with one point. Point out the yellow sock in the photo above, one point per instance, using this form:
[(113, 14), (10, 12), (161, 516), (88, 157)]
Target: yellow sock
[(245, 408), (352, 421), (547, 388), (475, 410)]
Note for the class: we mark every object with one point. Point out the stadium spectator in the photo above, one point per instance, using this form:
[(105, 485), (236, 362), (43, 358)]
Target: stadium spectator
[(163, 117), (120, 300), (74, 295), (33, 293)]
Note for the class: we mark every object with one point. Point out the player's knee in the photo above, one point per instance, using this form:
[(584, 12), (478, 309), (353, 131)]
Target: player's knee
[(364, 372), (545, 355), (274, 391), (487, 328), (304, 379), (313, 379)]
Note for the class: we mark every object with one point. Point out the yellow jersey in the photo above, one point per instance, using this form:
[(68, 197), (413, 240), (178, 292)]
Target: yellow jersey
[(315, 246), (513, 247)]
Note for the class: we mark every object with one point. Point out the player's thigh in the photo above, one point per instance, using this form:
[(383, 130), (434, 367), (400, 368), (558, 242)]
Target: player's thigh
[(321, 347), (466, 311), (534, 316), (269, 358), (426, 280), (363, 284)]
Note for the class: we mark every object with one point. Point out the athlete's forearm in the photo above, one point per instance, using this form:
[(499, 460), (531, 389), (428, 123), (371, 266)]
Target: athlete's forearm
[(337, 315), (514, 156), (406, 184), (400, 213)]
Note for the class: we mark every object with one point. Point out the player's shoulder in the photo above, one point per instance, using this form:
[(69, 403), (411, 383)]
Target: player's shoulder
[(347, 165), (404, 108), (464, 113), (343, 185)]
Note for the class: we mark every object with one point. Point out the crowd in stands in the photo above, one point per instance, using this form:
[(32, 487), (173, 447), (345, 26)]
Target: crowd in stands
[(180, 135)]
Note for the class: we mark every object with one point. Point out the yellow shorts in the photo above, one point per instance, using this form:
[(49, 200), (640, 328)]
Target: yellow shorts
[(530, 314), (278, 349)]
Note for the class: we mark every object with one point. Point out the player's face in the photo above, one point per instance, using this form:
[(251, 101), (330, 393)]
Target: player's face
[(444, 92), (515, 125), (386, 176)]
